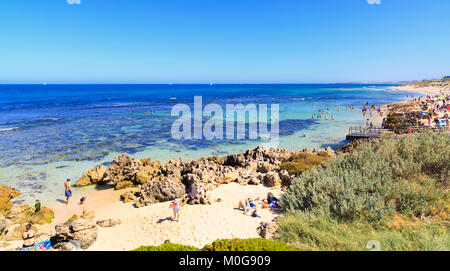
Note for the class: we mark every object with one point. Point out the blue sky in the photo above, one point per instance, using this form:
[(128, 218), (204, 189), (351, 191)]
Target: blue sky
[(223, 41)]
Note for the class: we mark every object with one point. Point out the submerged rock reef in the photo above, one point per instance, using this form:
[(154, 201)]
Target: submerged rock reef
[(158, 182)]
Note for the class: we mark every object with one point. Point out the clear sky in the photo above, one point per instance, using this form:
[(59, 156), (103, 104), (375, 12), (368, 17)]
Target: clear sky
[(223, 41)]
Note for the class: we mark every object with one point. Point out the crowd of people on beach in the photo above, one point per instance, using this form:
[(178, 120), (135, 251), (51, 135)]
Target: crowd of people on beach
[(435, 110)]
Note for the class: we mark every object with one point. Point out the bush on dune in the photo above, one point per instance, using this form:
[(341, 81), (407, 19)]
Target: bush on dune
[(252, 244), (303, 162), (310, 232), (408, 176), (167, 246), (394, 190)]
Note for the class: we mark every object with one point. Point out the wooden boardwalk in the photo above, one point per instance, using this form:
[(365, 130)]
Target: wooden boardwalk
[(363, 132)]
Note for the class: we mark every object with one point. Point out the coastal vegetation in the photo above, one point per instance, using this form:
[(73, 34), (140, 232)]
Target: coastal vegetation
[(394, 190), (251, 244), (303, 162)]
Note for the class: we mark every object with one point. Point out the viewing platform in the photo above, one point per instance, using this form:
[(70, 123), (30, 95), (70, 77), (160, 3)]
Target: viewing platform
[(363, 132)]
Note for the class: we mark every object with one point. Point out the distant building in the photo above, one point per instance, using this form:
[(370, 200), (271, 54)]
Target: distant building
[(447, 77)]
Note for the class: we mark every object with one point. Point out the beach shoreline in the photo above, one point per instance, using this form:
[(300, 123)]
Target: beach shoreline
[(421, 90), (151, 225)]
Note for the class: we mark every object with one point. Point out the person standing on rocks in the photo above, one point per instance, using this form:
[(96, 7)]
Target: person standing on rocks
[(68, 190)]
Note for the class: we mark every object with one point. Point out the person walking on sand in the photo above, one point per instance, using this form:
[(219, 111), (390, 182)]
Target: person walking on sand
[(68, 191)]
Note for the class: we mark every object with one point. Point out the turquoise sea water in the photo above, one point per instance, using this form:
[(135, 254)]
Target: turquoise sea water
[(48, 133)]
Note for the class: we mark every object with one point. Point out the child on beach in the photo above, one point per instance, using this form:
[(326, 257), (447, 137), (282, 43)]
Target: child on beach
[(175, 205)]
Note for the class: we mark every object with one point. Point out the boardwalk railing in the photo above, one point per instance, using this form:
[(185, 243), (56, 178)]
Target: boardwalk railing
[(365, 132)]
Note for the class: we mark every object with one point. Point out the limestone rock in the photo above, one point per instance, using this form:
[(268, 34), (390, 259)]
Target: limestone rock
[(84, 231), (130, 196), (122, 172), (158, 191), (4, 224), (93, 176), (268, 230), (25, 214), (108, 222), (272, 179), (6, 194)]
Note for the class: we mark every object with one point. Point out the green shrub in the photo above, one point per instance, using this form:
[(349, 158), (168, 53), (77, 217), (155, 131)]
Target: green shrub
[(378, 180), (251, 244), (303, 162), (310, 232), (167, 246)]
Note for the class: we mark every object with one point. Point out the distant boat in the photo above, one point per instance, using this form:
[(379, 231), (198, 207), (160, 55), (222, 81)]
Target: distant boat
[(210, 83), (45, 83), (170, 84)]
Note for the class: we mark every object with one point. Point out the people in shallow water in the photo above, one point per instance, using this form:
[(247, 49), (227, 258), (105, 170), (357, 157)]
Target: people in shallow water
[(68, 191), (29, 236)]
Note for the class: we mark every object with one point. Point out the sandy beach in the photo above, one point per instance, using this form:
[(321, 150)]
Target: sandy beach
[(426, 90), (152, 225)]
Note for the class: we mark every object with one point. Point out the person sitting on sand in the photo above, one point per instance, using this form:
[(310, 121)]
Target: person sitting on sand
[(249, 207), (244, 205), (82, 201), (29, 237), (68, 191)]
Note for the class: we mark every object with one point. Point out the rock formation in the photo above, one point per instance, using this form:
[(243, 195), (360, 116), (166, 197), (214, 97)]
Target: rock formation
[(6, 194), (105, 223), (83, 231), (166, 181), (268, 230)]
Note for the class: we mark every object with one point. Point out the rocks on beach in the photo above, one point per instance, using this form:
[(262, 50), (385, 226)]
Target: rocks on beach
[(83, 231), (157, 182), (14, 218), (80, 233)]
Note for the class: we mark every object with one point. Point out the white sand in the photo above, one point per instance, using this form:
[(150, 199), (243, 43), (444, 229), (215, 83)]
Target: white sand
[(152, 225), (427, 90)]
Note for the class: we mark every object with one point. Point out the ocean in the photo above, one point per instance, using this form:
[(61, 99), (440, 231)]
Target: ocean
[(51, 132)]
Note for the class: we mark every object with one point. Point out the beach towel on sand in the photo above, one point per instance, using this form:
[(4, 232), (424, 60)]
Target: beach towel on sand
[(44, 245)]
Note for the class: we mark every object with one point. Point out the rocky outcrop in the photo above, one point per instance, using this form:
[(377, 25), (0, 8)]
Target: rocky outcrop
[(6, 194), (93, 176), (4, 224), (353, 145), (83, 231), (105, 223), (25, 214), (399, 122), (167, 181), (156, 191), (272, 179), (122, 172), (269, 230), (130, 196)]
